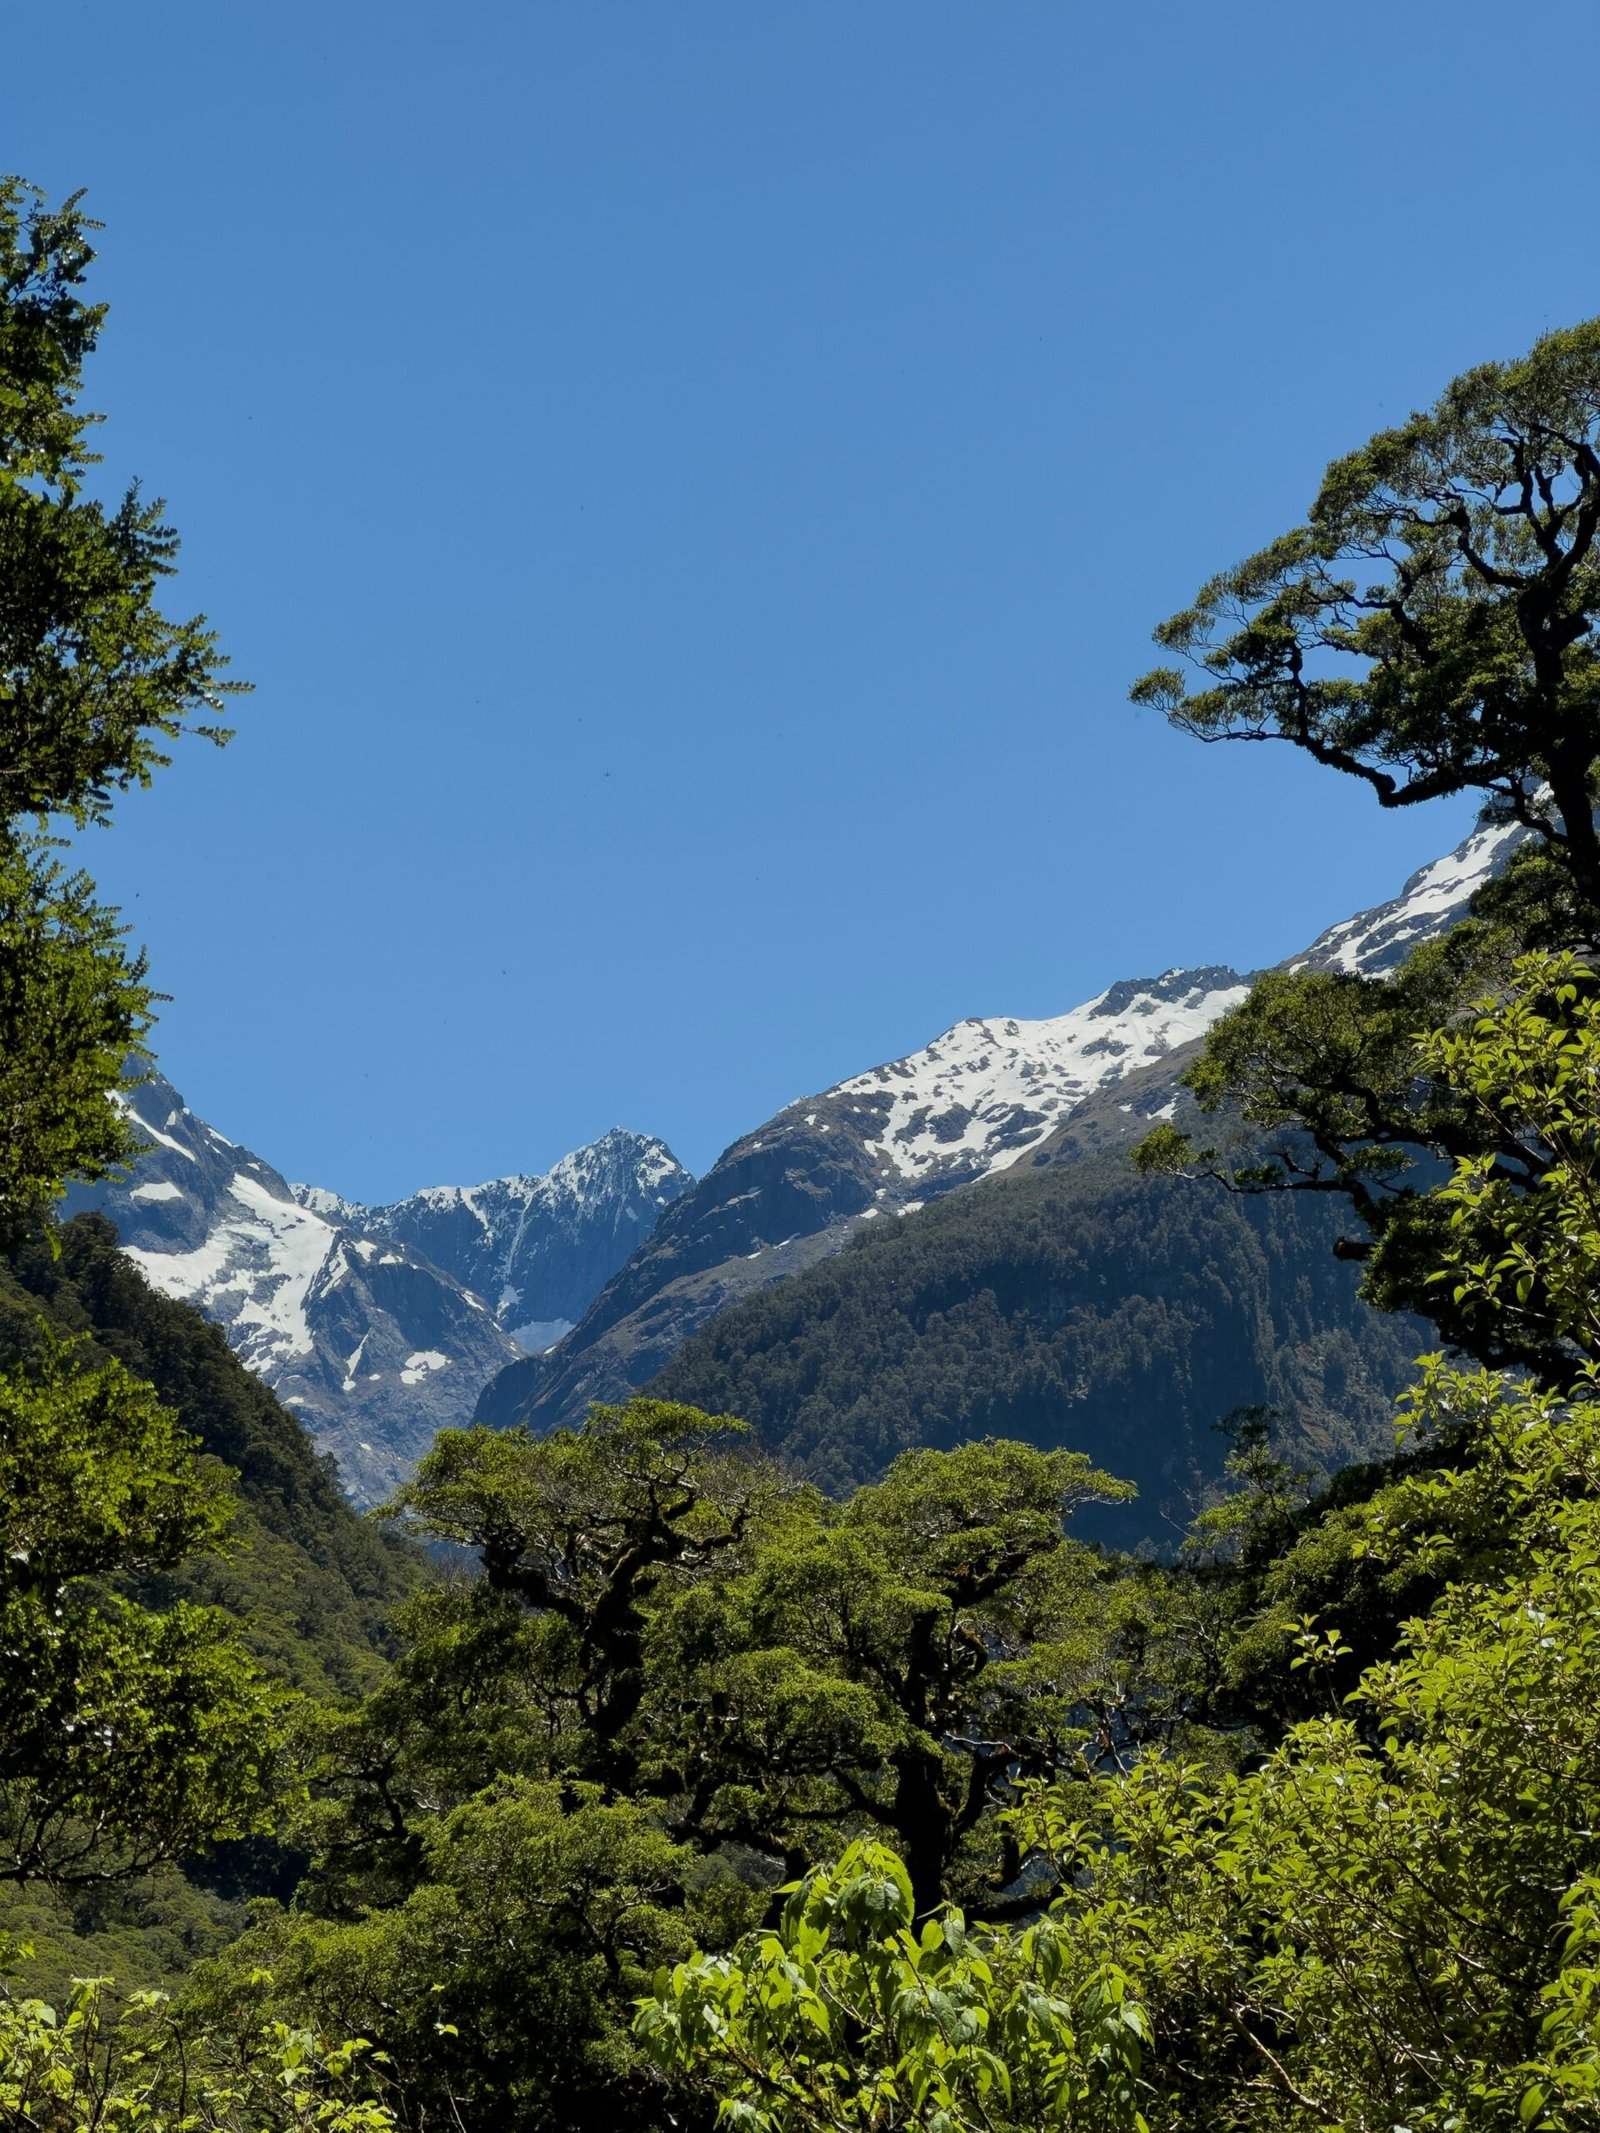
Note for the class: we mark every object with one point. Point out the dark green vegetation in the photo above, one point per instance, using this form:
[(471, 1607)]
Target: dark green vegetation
[(1080, 1306), (308, 1583)]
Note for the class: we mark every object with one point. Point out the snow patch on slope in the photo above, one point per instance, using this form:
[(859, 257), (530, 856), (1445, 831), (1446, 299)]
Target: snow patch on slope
[(1431, 902), (977, 1098), (254, 1271)]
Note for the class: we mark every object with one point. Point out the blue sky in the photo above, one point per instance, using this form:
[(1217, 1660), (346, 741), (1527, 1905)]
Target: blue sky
[(692, 484)]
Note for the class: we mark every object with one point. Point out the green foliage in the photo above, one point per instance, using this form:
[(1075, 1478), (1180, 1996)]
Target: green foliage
[(1430, 628), (590, 1531), (46, 332), (138, 1727), (1380, 1083), (309, 1582), (686, 1670), (131, 1736), (87, 2070), (1373, 1927), (72, 1006), (894, 1668), (1524, 1247), (848, 2016), (496, 1986), (1254, 1516), (93, 677), (1391, 1919)]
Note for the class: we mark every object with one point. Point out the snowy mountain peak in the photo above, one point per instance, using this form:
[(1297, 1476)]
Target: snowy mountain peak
[(331, 1318), (980, 1096), (536, 1246), (378, 1326)]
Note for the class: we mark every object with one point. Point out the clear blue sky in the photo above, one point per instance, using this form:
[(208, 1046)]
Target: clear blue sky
[(692, 483)]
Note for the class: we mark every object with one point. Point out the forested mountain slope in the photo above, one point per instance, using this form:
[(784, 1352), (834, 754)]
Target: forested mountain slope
[(1077, 1306)]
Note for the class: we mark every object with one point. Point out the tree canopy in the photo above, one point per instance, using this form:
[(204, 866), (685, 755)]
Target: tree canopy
[(1430, 628), (93, 677)]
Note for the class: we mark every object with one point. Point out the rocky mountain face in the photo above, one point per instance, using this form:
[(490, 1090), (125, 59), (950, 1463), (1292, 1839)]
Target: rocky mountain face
[(538, 1250), (987, 1096), (356, 1317)]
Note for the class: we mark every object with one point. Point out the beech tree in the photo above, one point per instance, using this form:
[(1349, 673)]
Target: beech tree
[(1430, 628)]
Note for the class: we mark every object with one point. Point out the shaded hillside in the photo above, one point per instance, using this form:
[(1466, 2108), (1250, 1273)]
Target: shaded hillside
[(310, 1580), (1080, 1306)]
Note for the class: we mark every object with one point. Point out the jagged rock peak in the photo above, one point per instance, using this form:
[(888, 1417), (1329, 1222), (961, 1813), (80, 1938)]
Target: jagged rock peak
[(538, 1246)]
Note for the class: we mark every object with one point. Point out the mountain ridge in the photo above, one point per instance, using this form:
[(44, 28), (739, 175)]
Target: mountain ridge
[(987, 1095)]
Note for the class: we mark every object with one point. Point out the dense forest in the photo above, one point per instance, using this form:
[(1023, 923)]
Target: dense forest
[(625, 1776), (1084, 1307)]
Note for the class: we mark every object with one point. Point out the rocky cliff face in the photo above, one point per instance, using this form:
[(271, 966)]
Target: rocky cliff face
[(987, 1096)]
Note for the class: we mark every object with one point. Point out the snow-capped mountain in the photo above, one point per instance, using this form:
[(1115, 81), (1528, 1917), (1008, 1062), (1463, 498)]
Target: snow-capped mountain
[(979, 1099), (372, 1341), (538, 1250), (373, 1348), (381, 1325)]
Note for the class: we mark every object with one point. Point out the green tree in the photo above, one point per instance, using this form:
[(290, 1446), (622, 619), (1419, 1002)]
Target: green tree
[(1429, 629), (897, 1669), (133, 1733), (73, 1005), (131, 1736), (93, 677), (95, 680)]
